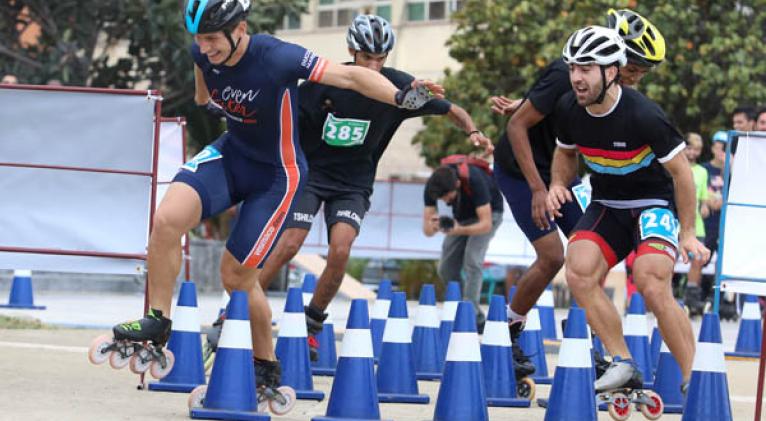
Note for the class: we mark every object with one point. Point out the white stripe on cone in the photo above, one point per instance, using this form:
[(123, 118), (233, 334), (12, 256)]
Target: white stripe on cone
[(464, 347), (751, 311), (292, 325), (449, 310), (427, 316), (22, 273), (664, 348), (186, 319), (533, 321), (709, 358), (307, 296), (546, 299), (574, 353), (635, 325), (236, 335), (380, 309), (357, 343), (224, 300), (496, 334), (397, 331)]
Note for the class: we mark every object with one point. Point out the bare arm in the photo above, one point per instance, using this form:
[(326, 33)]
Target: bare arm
[(201, 94), (482, 226), (563, 171), (369, 83), (463, 120), (518, 125), (430, 221), (685, 198)]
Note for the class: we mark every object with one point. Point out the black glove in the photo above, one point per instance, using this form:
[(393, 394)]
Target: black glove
[(446, 223), (213, 109)]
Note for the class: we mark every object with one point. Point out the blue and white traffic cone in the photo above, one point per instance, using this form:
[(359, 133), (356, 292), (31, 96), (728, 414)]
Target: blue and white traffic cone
[(531, 342), (497, 358), (572, 396), (637, 338), (231, 393), (461, 393), (185, 343), (668, 379), (655, 346), (449, 309), (21, 296), (547, 318), (379, 315), (708, 395), (354, 394), (749, 336), (426, 343), (396, 367), (293, 348), (308, 286)]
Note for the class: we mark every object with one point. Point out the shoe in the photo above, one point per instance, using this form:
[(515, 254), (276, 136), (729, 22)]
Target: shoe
[(522, 365), (620, 374), (153, 327), (314, 323)]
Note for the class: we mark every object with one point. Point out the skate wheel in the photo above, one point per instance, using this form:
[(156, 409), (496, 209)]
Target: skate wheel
[(652, 412), (525, 388), (208, 356), (140, 361), (279, 408), (197, 396), (117, 361), (619, 407), (156, 369), (97, 353)]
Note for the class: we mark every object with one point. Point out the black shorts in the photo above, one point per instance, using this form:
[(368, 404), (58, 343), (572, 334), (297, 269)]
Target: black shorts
[(339, 206), (617, 232)]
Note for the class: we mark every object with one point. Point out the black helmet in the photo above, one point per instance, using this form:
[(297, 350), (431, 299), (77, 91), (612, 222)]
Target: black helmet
[(371, 34), (206, 16)]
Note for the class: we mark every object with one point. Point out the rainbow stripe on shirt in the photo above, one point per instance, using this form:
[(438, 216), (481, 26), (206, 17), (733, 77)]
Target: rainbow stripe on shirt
[(617, 162)]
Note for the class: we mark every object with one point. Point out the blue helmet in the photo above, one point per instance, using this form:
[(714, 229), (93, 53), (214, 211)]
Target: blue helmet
[(721, 136), (206, 16)]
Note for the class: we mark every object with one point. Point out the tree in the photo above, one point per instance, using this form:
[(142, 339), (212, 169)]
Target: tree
[(117, 44), (714, 59)]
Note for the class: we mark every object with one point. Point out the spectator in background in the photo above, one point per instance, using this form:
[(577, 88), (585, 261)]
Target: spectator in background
[(715, 189), (743, 118), (760, 122), (694, 298), (9, 79)]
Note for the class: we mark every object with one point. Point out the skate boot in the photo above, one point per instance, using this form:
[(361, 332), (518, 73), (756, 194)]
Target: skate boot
[(727, 308), (128, 346), (481, 320), (314, 323), (211, 345), (601, 363), (522, 365), (621, 388), (693, 302), (268, 377)]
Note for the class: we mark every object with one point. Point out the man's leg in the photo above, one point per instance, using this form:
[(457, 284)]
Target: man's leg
[(288, 246), (550, 258), (473, 259), (652, 274), (342, 236), (451, 260)]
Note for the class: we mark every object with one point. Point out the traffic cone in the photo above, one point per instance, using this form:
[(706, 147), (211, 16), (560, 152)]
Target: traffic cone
[(497, 359), (293, 348), (425, 337), (708, 394), (749, 336), (572, 396), (531, 342), (396, 368), (186, 345), (547, 318), (668, 379), (354, 393), (449, 309), (21, 296), (656, 344), (378, 316), (461, 393), (308, 286), (231, 393), (637, 338)]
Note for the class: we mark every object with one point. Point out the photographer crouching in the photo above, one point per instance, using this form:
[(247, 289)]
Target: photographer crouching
[(466, 185)]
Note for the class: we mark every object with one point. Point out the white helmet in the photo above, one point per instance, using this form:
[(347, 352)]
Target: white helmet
[(370, 33), (595, 44)]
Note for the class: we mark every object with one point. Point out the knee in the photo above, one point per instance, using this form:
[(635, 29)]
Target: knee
[(653, 287), (166, 227), (580, 278), (290, 248), (552, 262), (338, 254)]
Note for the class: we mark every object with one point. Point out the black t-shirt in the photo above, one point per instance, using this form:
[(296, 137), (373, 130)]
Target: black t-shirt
[(625, 148), (715, 183), (483, 191), (545, 92), (344, 133)]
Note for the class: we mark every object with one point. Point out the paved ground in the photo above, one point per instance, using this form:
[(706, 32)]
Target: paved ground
[(46, 375)]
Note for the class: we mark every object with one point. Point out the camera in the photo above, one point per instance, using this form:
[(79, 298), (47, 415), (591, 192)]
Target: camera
[(446, 223)]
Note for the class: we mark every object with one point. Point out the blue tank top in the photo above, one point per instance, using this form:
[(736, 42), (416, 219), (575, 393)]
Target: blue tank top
[(260, 97)]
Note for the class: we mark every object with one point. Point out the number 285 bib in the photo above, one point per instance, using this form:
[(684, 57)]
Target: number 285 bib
[(344, 132)]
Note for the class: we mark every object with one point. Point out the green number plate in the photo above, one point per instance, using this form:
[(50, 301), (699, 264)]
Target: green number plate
[(344, 132)]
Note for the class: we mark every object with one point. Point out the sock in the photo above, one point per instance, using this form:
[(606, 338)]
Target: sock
[(513, 316)]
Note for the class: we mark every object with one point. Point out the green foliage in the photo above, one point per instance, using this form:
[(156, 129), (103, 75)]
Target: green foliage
[(414, 273), (146, 47), (355, 267), (714, 59)]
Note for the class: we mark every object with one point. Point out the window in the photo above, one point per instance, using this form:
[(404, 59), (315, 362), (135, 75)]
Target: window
[(291, 22), (423, 10), (340, 13)]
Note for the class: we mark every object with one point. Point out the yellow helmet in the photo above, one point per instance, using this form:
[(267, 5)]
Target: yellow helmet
[(645, 43)]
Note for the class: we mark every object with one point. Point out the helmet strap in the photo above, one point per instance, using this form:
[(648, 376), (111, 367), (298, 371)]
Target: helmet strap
[(232, 44), (605, 86)]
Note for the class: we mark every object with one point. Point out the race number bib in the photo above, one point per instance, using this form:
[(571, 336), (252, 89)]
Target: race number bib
[(344, 132), (210, 153), (582, 194), (659, 223)]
